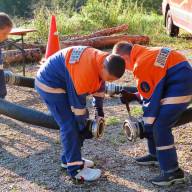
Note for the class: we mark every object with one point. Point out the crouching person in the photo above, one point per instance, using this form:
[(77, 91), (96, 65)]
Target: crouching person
[(164, 82), (63, 82)]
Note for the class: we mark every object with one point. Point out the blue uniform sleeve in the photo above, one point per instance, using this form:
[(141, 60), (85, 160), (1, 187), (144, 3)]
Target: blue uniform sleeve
[(3, 90), (77, 102), (97, 102), (152, 106), (78, 106)]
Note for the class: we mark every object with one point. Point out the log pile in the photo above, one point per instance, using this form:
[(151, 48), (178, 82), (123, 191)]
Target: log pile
[(101, 39), (16, 56), (104, 38), (103, 32), (106, 41)]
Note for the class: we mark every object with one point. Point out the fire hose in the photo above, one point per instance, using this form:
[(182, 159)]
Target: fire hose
[(134, 127), (18, 80), (34, 117), (42, 119)]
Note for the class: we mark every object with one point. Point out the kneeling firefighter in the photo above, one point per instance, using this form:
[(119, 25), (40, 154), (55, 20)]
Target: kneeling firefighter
[(63, 82), (164, 82)]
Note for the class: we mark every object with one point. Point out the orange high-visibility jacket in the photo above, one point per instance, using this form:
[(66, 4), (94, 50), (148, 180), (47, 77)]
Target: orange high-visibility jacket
[(76, 70), (84, 65), (163, 76)]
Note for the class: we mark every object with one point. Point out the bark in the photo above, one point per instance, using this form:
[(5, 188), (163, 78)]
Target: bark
[(107, 41), (103, 32), (15, 56)]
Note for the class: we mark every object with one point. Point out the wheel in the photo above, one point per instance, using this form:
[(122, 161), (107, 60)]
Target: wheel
[(172, 30)]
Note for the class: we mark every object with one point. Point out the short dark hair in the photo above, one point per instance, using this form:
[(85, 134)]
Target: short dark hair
[(5, 21), (122, 47), (115, 65)]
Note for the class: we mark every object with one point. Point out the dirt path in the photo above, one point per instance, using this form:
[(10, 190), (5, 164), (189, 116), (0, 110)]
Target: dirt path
[(29, 155)]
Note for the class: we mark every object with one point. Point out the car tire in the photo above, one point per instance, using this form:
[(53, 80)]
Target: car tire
[(172, 30)]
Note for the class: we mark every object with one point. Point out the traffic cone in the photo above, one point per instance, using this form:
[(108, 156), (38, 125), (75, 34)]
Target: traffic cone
[(53, 39)]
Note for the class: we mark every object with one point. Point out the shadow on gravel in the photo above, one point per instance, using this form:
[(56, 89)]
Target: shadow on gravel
[(37, 161)]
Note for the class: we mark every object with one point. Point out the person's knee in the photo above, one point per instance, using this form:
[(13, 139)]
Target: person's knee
[(162, 135)]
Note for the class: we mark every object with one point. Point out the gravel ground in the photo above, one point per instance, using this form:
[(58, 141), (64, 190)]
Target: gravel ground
[(29, 155)]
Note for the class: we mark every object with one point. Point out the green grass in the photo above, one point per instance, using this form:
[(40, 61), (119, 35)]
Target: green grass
[(136, 110), (97, 14), (112, 121)]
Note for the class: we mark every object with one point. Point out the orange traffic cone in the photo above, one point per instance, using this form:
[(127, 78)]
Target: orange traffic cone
[(53, 39)]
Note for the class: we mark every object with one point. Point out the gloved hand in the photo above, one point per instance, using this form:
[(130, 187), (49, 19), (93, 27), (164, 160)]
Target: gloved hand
[(127, 97)]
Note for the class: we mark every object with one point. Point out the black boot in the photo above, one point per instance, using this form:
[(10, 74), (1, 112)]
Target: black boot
[(166, 179), (147, 160)]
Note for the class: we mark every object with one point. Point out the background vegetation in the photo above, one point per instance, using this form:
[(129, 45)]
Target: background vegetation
[(84, 16)]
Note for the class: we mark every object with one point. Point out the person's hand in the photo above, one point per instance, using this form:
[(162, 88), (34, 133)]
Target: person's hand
[(127, 97)]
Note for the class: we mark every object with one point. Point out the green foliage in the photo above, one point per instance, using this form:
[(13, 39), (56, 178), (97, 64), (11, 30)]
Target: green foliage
[(150, 5), (140, 15), (112, 121), (25, 8), (98, 14), (18, 8), (136, 111)]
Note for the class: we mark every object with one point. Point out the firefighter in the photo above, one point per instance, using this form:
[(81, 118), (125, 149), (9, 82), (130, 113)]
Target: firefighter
[(5, 28), (63, 82), (164, 82)]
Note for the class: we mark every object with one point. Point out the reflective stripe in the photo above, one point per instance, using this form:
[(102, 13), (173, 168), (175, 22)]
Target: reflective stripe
[(75, 163), (1, 66), (148, 120), (78, 111), (99, 94), (165, 147), (48, 89), (172, 170), (176, 100)]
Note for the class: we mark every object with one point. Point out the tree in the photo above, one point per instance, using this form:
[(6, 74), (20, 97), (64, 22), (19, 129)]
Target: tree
[(18, 8)]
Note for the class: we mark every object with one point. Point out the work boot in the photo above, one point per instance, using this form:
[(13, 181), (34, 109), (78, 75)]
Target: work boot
[(87, 174), (147, 160), (166, 179), (87, 164)]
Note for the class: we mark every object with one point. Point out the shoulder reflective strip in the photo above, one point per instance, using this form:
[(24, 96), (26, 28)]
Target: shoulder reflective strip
[(162, 57), (1, 67), (148, 120), (76, 54), (48, 89), (78, 111), (75, 163), (99, 94), (165, 147), (176, 100)]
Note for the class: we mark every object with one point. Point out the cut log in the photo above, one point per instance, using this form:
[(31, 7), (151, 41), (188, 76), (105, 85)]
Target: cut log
[(103, 32), (96, 42), (107, 41), (15, 56)]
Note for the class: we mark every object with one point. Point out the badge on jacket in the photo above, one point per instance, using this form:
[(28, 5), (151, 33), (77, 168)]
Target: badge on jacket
[(145, 87), (76, 54), (162, 57)]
